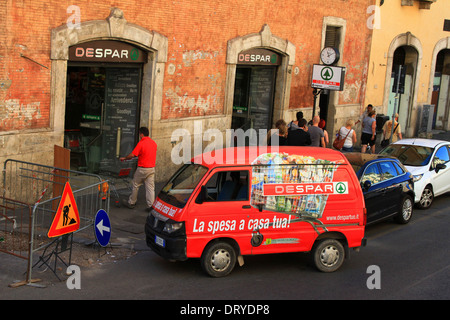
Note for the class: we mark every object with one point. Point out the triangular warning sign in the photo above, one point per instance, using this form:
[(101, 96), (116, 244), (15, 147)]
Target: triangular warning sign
[(66, 219)]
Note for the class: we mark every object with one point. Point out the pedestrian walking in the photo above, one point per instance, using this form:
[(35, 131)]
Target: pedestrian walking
[(368, 134), (317, 135), (325, 133), (369, 108), (300, 136), (278, 136), (145, 150), (294, 124), (349, 134), (387, 129)]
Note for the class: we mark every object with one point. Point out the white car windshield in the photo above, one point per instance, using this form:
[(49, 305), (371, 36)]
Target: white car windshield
[(409, 155)]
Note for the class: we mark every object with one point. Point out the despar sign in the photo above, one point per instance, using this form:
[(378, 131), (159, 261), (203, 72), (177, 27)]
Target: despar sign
[(259, 57), (107, 51), (295, 189), (328, 77)]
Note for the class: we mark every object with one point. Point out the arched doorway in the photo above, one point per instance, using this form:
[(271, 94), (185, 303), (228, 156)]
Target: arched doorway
[(403, 68), (102, 103), (103, 79), (254, 89), (405, 50), (441, 88), (259, 68)]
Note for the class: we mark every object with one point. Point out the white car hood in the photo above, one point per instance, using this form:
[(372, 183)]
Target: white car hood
[(416, 170)]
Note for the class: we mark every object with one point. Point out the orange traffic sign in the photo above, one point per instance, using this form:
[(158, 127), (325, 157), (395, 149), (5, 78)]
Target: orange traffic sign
[(66, 219)]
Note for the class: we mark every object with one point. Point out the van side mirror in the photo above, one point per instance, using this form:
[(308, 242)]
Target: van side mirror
[(366, 185), (202, 196), (440, 166)]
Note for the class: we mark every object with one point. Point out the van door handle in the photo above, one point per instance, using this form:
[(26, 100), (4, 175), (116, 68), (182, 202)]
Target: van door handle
[(246, 206)]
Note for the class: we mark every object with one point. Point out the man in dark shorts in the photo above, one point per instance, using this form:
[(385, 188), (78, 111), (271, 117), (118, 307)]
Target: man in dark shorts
[(368, 134)]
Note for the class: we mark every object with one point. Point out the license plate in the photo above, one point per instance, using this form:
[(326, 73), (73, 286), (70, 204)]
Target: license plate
[(160, 241)]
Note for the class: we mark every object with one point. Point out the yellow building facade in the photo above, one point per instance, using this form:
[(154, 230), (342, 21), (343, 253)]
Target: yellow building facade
[(413, 34)]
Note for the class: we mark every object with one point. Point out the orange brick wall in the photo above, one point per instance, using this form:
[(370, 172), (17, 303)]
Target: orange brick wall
[(197, 33)]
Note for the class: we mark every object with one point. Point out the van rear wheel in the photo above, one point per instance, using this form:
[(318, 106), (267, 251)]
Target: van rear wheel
[(328, 255), (218, 259)]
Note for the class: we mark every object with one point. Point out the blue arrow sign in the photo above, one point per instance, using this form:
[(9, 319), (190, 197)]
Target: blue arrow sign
[(102, 227)]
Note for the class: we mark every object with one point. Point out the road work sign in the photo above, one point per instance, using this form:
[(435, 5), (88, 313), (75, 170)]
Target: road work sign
[(67, 218)]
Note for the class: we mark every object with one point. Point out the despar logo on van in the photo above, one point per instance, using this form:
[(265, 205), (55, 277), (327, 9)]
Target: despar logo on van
[(294, 189), (294, 184)]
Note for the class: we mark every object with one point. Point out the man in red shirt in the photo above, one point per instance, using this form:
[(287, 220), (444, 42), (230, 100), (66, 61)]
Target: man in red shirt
[(145, 150)]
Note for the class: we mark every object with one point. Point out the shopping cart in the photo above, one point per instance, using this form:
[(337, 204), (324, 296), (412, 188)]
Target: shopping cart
[(118, 175)]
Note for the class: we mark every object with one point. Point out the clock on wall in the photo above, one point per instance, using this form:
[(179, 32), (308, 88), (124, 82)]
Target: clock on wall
[(329, 55)]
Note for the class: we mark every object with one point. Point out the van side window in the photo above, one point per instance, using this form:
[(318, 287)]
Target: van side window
[(228, 186)]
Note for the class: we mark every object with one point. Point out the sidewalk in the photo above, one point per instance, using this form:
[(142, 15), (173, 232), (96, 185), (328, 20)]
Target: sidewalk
[(127, 239), (127, 225), (441, 135), (436, 134)]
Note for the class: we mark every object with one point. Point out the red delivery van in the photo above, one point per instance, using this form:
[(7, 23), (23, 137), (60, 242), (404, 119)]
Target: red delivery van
[(256, 200)]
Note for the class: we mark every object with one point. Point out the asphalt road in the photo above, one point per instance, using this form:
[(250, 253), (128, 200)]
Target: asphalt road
[(412, 262)]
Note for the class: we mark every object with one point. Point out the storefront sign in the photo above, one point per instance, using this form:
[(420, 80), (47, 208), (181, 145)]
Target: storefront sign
[(106, 51), (328, 77), (259, 57)]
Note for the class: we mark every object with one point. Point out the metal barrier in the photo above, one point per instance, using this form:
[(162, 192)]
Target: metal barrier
[(15, 221), (33, 192)]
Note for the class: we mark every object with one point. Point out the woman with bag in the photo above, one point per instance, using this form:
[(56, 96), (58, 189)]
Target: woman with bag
[(346, 137)]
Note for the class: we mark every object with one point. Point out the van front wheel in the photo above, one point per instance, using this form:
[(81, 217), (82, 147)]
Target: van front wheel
[(328, 255), (218, 259)]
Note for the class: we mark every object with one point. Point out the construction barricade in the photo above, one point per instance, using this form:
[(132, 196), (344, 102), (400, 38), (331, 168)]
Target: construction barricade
[(31, 196)]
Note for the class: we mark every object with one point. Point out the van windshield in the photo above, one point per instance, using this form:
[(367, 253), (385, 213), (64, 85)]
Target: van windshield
[(180, 187)]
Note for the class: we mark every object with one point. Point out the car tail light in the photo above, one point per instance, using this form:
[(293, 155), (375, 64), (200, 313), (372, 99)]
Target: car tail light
[(364, 216)]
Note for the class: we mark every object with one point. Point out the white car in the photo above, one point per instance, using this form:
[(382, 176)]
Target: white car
[(429, 162)]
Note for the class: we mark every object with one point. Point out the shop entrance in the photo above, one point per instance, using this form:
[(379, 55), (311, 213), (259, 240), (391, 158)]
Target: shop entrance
[(254, 90), (407, 57), (102, 104), (102, 107), (441, 90)]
